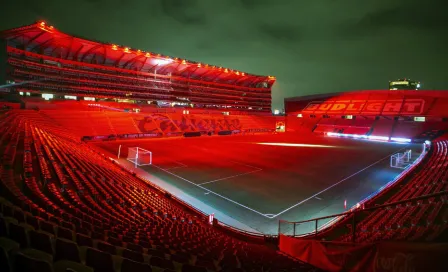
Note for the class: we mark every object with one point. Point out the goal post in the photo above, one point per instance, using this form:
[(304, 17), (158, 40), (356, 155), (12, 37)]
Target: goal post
[(139, 156), (401, 160)]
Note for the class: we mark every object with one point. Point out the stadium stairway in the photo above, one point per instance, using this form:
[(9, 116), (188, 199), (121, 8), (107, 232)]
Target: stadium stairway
[(65, 206)]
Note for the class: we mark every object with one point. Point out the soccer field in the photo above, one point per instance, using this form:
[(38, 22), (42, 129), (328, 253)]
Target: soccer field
[(258, 180)]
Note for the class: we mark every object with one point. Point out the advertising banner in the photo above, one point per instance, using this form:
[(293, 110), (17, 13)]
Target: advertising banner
[(368, 107)]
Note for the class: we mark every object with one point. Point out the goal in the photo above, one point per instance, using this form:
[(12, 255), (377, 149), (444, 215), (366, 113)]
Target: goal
[(139, 156), (401, 160)]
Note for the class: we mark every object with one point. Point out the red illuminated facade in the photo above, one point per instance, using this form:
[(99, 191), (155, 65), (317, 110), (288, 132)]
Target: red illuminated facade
[(383, 103), (56, 63)]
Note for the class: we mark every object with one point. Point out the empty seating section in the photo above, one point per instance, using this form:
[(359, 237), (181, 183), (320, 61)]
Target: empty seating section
[(365, 125), (424, 220), (326, 125), (172, 123), (122, 123), (78, 121), (80, 78), (362, 125), (92, 123), (302, 125), (346, 126), (383, 127), (86, 123), (64, 206), (184, 123), (353, 126), (405, 129), (255, 122)]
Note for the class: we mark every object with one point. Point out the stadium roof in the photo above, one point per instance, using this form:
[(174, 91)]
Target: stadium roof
[(47, 40)]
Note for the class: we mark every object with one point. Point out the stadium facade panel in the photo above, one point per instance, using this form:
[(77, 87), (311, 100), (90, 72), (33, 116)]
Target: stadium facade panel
[(371, 103)]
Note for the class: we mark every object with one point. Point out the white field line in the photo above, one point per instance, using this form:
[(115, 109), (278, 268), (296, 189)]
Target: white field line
[(328, 188)]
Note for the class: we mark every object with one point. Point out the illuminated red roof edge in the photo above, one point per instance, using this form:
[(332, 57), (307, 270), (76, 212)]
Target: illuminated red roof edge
[(47, 40)]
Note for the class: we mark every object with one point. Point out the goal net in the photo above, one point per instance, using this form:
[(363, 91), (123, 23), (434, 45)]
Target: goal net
[(139, 156), (401, 160)]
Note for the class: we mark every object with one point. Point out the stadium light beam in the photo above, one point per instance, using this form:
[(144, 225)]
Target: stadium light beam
[(162, 61), (401, 140), (370, 137), (297, 145)]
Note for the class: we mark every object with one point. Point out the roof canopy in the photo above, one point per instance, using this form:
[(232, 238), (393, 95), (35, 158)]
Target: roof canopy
[(47, 40)]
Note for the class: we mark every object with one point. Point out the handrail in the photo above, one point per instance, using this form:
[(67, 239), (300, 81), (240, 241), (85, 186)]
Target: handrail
[(251, 233)]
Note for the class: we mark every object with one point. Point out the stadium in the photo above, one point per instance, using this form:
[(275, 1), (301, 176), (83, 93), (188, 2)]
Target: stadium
[(120, 159)]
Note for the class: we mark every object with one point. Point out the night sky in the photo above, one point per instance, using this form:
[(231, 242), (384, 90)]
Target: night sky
[(311, 46)]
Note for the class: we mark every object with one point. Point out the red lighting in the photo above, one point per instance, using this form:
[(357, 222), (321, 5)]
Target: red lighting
[(298, 145), (136, 63)]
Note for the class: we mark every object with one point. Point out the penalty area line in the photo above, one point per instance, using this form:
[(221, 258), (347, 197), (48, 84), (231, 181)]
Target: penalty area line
[(211, 192)]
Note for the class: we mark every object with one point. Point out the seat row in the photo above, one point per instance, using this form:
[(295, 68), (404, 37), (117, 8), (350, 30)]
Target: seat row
[(64, 199), (422, 220)]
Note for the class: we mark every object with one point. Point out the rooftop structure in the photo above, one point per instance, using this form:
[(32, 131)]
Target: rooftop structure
[(58, 63)]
